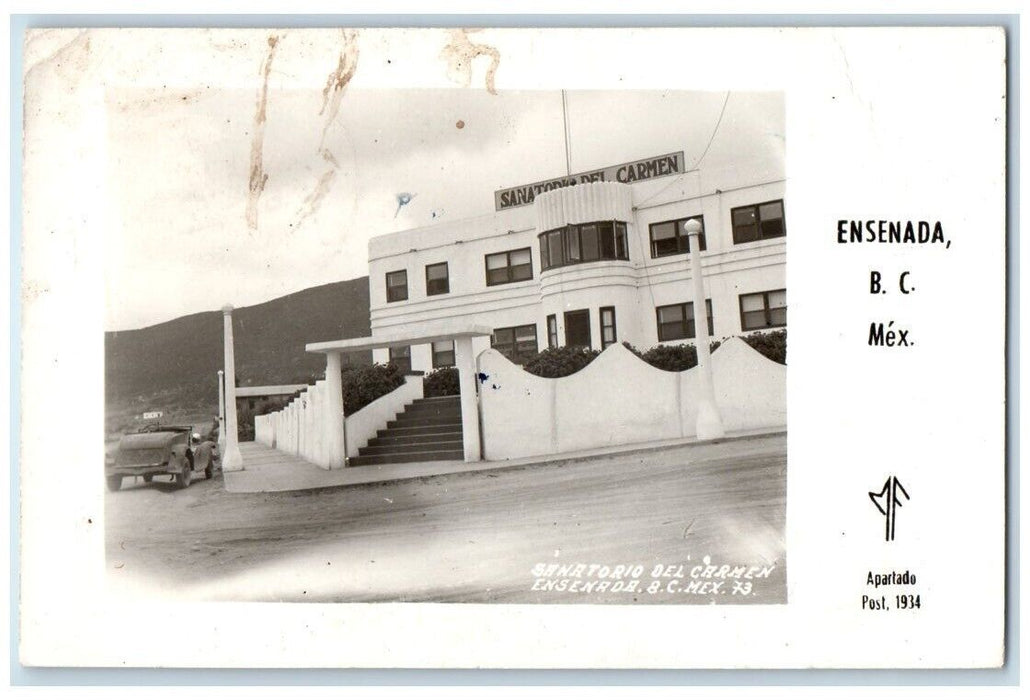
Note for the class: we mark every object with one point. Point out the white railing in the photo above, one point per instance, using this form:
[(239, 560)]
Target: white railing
[(363, 425), (619, 399), (300, 427)]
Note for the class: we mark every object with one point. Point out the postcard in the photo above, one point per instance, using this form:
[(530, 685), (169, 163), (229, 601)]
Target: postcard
[(468, 348)]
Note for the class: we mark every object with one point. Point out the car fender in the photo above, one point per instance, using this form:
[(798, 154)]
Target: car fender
[(179, 459)]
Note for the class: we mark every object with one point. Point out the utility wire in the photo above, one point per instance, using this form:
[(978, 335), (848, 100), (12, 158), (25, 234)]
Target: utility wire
[(696, 167), (714, 132), (697, 164)]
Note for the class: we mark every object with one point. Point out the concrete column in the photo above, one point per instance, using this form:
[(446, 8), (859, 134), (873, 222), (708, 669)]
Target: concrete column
[(466, 365), (221, 412), (336, 436), (232, 460), (709, 422)]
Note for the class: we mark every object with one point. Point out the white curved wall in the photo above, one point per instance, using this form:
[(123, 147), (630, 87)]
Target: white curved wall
[(750, 389), (618, 399)]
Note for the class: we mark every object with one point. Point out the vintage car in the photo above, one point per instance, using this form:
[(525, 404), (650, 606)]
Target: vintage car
[(161, 449)]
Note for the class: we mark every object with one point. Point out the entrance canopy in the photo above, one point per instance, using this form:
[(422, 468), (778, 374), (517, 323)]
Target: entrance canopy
[(416, 334), (412, 334)]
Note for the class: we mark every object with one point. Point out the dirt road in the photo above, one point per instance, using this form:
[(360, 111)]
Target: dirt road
[(695, 524)]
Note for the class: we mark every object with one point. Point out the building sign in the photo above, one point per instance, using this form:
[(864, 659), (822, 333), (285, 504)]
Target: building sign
[(151, 415), (647, 169)]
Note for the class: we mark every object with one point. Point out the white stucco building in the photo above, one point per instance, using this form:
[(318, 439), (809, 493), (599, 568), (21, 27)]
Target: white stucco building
[(599, 261)]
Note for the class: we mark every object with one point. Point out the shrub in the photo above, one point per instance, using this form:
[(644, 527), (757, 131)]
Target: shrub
[(772, 345), (563, 361), (560, 362), (632, 348), (441, 382), (244, 424), (674, 358), (363, 385)]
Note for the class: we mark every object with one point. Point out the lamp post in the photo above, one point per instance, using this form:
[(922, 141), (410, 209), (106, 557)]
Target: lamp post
[(221, 412), (709, 422), (232, 460)]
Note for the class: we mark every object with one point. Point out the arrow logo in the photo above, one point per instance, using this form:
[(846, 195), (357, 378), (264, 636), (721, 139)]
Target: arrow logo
[(887, 501)]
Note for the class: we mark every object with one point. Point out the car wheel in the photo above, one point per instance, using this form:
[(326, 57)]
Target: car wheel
[(184, 477), (114, 483), (209, 471), (147, 478)]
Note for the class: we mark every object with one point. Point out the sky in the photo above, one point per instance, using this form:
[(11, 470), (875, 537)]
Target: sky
[(179, 156)]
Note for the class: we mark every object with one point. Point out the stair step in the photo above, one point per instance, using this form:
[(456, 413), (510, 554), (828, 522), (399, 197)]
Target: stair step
[(414, 439), (447, 446), (403, 421), (452, 416), (438, 399), (431, 409), (419, 430), (406, 457)]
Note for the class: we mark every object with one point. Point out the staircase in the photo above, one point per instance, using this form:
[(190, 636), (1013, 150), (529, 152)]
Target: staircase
[(427, 430)]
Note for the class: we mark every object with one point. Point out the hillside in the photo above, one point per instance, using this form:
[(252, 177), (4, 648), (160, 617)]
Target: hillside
[(172, 366)]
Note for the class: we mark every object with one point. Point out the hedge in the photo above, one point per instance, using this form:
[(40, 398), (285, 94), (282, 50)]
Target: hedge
[(244, 424), (676, 358), (363, 385), (673, 358), (772, 345), (559, 362), (441, 382), (563, 361)]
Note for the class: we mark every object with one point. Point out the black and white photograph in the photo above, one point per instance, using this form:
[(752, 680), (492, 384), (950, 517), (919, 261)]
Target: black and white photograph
[(486, 380), (431, 348)]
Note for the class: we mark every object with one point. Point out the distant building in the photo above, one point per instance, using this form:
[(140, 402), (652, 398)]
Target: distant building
[(601, 261), (258, 400)]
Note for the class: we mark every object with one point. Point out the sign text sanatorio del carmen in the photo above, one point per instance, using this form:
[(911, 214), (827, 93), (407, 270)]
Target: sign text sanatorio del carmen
[(646, 169)]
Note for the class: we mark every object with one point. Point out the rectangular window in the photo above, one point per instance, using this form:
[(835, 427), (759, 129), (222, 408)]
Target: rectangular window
[(676, 321), (397, 285), (763, 310), (757, 222), (572, 245), (525, 343), (608, 335), (589, 242), (517, 343), (554, 245), (608, 243), (580, 243), (521, 265), (401, 358), (443, 354), (437, 279), (509, 266), (552, 331), (621, 251), (577, 328), (664, 240), (670, 237)]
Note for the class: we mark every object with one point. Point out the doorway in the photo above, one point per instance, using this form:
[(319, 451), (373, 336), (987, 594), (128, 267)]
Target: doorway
[(577, 328)]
